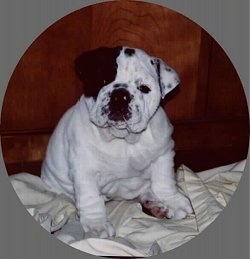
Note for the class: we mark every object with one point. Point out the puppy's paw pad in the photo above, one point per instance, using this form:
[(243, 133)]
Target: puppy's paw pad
[(155, 210)]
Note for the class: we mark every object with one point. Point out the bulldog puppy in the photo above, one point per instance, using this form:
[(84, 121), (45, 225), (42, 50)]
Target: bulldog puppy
[(115, 142)]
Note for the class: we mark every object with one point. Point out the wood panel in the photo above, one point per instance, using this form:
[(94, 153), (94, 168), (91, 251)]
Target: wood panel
[(26, 147), (225, 96), (209, 109), (215, 134), (44, 84), (24, 152), (204, 159)]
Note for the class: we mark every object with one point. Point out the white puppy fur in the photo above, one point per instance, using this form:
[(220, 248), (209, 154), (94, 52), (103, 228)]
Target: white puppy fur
[(96, 154)]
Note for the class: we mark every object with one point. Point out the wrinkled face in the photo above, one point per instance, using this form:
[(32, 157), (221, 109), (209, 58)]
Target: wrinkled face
[(123, 86)]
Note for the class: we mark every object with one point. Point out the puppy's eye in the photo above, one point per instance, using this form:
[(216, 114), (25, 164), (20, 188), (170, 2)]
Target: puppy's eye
[(144, 89)]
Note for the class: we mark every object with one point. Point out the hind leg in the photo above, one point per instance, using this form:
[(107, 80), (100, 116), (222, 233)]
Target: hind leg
[(152, 209), (152, 206)]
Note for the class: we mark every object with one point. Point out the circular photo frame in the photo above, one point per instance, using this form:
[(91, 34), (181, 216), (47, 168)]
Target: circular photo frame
[(207, 108)]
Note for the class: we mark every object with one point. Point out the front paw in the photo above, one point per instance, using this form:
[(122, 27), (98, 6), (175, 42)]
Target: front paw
[(98, 228), (178, 206)]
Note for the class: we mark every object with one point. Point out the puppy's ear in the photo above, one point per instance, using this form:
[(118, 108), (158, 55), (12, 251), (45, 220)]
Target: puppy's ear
[(168, 77), (96, 68)]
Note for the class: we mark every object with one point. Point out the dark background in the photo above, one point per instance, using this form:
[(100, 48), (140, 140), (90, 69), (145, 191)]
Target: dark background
[(208, 110)]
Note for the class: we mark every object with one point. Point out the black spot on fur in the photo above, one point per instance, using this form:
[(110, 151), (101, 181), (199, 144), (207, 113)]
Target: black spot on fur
[(158, 70), (129, 51), (97, 68)]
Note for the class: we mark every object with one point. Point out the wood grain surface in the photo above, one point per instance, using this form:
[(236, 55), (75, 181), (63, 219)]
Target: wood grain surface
[(208, 109)]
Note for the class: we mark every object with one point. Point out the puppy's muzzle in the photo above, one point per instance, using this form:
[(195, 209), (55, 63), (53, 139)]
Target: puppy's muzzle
[(119, 105)]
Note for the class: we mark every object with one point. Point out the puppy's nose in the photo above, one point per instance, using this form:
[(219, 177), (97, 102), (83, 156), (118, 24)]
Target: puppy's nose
[(119, 104)]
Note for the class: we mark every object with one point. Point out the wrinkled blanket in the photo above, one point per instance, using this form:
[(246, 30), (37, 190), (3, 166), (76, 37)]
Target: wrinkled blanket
[(137, 234)]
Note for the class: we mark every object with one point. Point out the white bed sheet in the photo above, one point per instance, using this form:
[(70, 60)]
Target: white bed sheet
[(137, 234)]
